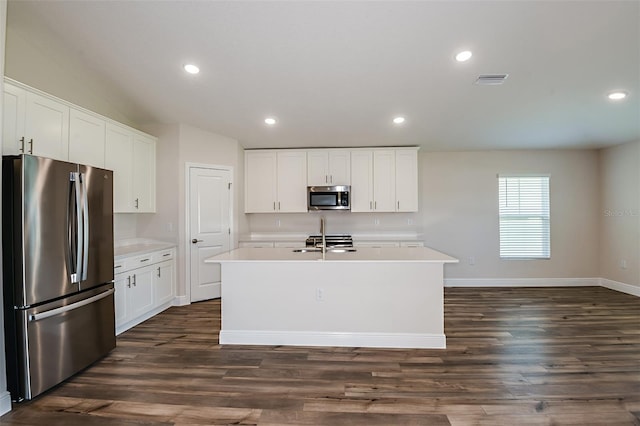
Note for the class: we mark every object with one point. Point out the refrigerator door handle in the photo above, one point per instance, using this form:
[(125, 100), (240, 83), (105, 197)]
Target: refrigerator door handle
[(85, 227), (63, 309), (77, 226)]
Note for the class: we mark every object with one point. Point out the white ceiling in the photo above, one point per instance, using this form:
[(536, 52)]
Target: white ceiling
[(336, 73)]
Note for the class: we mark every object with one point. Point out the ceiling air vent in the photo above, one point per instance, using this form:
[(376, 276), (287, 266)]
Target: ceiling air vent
[(491, 79)]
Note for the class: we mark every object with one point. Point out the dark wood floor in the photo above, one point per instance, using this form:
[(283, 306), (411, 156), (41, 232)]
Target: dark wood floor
[(514, 357)]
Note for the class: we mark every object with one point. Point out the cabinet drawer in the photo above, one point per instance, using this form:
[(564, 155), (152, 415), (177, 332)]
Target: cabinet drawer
[(161, 256), (119, 266), (411, 244)]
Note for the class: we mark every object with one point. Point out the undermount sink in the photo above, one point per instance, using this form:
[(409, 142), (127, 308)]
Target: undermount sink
[(318, 250)]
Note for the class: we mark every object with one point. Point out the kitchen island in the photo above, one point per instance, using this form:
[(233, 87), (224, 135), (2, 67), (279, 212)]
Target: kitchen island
[(371, 297)]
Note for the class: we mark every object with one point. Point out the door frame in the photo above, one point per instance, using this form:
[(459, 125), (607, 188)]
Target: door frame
[(187, 222)]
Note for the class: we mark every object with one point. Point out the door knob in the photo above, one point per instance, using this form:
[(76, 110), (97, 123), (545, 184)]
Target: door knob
[(196, 241)]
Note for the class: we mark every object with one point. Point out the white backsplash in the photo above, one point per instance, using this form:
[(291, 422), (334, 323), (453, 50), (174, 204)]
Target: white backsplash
[(124, 226), (337, 223)]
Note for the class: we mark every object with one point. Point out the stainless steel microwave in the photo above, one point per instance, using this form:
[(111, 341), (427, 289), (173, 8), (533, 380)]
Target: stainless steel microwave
[(328, 197)]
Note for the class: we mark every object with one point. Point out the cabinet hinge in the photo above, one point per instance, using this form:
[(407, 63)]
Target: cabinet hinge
[(229, 231)]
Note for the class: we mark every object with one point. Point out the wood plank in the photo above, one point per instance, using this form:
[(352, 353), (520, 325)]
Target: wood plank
[(514, 356)]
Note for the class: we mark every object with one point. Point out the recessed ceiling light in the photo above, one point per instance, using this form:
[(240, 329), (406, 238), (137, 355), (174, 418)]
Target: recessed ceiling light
[(270, 121), (399, 120), (617, 96), (191, 69), (464, 56)]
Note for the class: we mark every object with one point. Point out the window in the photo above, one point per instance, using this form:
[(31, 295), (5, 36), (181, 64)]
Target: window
[(524, 217)]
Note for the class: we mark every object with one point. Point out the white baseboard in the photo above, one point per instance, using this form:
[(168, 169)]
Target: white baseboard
[(5, 403), (543, 282), (621, 287), (521, 282), (301, 338), (181, 301)]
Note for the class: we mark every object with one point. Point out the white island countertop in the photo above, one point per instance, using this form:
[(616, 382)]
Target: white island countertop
[(361, 254)]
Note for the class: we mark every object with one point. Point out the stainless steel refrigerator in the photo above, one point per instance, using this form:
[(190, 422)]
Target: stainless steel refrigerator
[(57, 236)]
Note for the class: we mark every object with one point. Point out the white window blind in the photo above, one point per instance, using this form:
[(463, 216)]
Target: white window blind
[(524, 217)]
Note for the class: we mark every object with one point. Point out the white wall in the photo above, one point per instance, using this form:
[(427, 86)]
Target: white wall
[(619, 213), (459, 208), (51, 67)]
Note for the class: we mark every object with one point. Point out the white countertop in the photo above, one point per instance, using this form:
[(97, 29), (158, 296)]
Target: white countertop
[(135, 246), (362, 254)]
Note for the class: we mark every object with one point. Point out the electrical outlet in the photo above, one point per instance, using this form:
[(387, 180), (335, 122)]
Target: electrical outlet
[(409, 222), (623, 264), (472, 260), (170, 226), (278, 223), (319, 294), (376, 222)]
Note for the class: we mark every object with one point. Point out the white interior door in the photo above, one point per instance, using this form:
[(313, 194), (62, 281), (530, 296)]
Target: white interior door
[(210, 228)]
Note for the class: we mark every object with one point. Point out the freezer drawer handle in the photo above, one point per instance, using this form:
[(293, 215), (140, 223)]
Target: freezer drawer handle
[(62, 309)]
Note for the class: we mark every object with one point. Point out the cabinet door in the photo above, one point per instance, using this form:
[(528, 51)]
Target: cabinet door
[(163, 282), (317, 167), (144, 174), (119, 158), (87, 138), (140, 295), (361, 181), (292, 181), (406, 180), (260, 181), (121, 283), (339, 167), (46, 127), (384, 181), (13, 113)]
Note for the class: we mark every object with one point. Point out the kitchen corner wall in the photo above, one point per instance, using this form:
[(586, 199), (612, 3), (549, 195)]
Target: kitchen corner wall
[(459, 211), (619, 214), (178, 145)]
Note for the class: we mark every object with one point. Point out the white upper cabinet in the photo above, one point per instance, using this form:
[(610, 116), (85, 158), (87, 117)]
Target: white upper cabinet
[(132, 157), (15, 101), (275, 181), (384, 180), (292, 181), (144, 173), (361, 181), (328, 167), (40, 124), (34, 124), (119, 158), (87, 135), (381, 179), (260, 181), (407, 180)]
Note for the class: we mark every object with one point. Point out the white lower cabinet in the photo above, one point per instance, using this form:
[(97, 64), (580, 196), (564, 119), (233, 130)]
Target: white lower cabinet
[(144, 286)]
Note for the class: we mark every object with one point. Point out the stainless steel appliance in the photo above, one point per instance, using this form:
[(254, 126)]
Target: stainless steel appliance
[(328, 197), (332, 241), (57, 238)]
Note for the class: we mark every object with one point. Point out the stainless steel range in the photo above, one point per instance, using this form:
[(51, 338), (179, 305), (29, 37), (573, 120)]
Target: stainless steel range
[(333, 241)]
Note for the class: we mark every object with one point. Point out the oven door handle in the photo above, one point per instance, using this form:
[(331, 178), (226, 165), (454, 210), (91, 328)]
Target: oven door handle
[(67, 308)]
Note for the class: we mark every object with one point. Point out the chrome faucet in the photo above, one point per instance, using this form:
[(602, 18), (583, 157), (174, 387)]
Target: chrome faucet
[(324, 237)]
